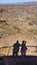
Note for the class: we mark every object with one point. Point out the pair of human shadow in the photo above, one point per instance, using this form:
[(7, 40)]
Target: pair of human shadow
[(16, 47)]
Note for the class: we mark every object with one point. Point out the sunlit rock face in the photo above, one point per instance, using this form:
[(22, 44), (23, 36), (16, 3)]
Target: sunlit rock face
[(18, 22)]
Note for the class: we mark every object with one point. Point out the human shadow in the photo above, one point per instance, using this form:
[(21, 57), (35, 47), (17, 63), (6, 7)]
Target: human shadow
[(23, 48), (16, 49)]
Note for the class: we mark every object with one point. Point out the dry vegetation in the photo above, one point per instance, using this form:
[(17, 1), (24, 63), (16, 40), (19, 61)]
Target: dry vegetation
[(18, 22)]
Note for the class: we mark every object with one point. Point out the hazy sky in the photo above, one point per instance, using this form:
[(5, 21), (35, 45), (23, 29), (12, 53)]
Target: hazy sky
[(16, 1)]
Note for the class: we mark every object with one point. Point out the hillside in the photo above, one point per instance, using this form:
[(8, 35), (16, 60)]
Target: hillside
[(18, 21)]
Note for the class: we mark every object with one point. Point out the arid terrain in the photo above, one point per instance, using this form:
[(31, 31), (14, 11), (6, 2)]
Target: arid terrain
[(18, 22)]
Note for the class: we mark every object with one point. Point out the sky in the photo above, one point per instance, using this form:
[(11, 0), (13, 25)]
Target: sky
[(16, 1)]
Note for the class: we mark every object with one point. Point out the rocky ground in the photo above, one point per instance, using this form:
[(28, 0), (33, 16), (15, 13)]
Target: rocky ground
[(18, 22)]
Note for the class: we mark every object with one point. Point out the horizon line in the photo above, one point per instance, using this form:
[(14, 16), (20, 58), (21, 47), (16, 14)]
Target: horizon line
[(18, 3)]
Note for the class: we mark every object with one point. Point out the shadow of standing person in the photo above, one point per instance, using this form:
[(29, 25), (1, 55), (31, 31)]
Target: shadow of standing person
[(16, 48), (23, 48)]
